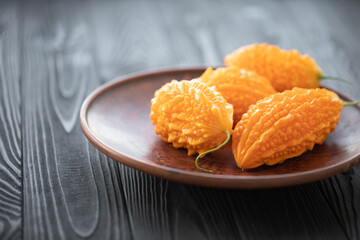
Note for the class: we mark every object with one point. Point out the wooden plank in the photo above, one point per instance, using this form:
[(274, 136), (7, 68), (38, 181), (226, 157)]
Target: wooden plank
[(291, 213), (327, 33), (10, 123), (333, 42), (70, 191), (192, 212), (130, 37)]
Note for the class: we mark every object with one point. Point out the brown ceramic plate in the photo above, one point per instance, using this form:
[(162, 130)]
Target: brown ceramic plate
[(115, 119)]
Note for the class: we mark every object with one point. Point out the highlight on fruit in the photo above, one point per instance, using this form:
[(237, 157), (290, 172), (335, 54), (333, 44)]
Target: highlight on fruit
[(190, 115), (285, 69), (240, 87), (285, 125)]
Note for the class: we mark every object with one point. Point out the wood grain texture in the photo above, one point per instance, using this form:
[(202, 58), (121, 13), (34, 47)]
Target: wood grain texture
[(73, 192), (10, 124), (70, 191)]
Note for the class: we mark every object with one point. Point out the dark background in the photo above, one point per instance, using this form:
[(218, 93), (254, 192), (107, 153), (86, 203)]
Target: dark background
[(55, 185)]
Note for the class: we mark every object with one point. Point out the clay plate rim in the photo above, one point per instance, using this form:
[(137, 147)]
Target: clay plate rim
[(200, 178)]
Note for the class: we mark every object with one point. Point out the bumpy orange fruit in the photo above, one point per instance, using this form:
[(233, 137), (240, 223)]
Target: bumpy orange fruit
[(284, 69), (285, 125), (239, 87), (191, 115)]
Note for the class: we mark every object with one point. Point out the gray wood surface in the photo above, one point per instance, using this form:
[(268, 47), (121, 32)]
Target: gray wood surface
[(55, 185), (10, 124)]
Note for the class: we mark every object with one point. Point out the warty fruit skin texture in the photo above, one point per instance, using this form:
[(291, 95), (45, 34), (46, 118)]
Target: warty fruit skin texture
[(240, 87), (191, 115), (285, 69), (285, 125)]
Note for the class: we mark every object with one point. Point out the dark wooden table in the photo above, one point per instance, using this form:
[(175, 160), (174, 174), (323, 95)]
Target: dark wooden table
[(55, 185)]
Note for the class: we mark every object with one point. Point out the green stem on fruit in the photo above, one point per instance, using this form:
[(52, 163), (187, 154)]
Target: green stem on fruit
[(212, 150), (351, 103), (334, 78)]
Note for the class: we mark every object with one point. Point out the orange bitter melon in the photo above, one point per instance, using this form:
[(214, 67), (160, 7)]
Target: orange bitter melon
[(188, 114), (239, 87), (284, 69), (285, 125)]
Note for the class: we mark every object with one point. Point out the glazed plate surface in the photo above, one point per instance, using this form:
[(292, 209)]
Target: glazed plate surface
[(115, 119)]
